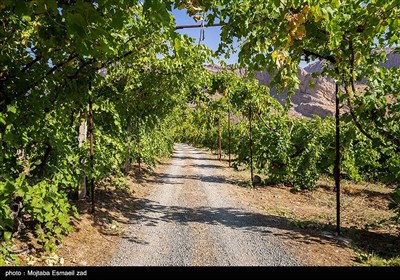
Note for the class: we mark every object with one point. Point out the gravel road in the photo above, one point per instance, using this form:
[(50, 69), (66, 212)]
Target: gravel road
[(191, 219)]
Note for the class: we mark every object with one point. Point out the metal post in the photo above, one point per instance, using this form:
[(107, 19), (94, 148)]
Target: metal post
[(219, 139), (337, 160), (229, 137), (251, 145)]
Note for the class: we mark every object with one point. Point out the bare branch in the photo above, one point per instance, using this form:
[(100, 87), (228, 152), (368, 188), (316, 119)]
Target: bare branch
[(327, 57)]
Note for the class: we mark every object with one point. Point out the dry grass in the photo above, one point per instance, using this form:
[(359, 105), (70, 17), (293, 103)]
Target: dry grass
[(368, 235), (95, 237), (366, 222)]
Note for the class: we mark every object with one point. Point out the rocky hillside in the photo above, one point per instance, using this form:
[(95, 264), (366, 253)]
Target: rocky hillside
[(318, 100), (393, 59)]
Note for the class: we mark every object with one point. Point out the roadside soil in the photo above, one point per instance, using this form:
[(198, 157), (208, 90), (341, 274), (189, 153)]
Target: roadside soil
[(207, 208)]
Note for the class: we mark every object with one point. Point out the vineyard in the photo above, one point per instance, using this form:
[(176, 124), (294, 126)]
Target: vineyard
[(91, 90)]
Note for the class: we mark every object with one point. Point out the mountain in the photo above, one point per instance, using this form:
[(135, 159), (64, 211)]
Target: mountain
[(307, 101), (318, 99), (393, 59), (317, 66)]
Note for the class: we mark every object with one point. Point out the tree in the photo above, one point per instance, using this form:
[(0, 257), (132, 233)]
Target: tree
[(350, 36)]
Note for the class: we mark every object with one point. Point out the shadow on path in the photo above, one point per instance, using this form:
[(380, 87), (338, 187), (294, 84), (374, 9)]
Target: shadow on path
[(148, 213)]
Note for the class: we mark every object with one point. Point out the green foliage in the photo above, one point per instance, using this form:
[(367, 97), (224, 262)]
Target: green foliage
[(6, 223), (46, 205), (295, 152), (374, 260), (353, 39), (395, 204), (6, 257), (139, 74), (56, 58)]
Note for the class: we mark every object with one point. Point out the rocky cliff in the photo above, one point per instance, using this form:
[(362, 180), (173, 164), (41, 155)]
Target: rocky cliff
[(308, 100), (318, 99)]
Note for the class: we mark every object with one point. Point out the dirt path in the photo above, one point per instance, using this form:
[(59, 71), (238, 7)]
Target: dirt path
[(192, 218)]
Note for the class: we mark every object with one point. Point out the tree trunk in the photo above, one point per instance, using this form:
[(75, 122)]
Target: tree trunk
[(91, 153), (81, 141), (337, 159), (251, 144)]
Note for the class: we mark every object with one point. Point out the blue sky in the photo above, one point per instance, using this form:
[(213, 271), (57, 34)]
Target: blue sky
[(211, 34)]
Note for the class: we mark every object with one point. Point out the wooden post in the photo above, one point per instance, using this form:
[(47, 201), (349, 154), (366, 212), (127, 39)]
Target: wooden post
[(251, 144), (337, 159), (81, 141), (91, 151)]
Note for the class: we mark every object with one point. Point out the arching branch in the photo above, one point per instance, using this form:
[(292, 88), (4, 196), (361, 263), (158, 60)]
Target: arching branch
[(329, 58)]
